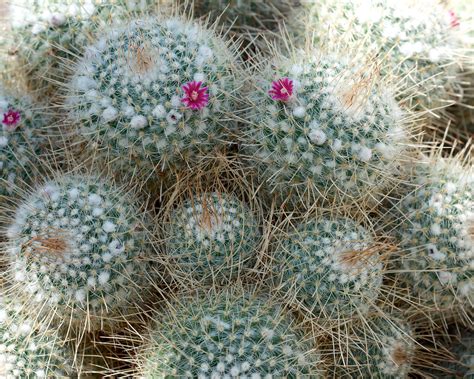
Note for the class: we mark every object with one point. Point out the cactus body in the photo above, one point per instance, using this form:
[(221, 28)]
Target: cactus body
[(155, 93), (77, 246), (212, 236), (225, 335), (325, 128)]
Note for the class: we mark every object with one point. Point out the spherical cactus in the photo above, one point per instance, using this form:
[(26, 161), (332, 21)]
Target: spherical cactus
[(20, 140), (417, 41), (227, 335), (46, 34), (332, 267), (436, 233), (155, 93), (78, 248), (382, 349), (322, 126), (212, 236), (28, 350)]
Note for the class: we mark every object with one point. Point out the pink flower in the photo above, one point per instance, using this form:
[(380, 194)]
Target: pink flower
[(282, 89), (11, 119), (196, 97), (454, 19)]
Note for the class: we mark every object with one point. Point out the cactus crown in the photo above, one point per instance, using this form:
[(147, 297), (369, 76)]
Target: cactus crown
[(332, 266), (157, 91), (78, 242), (228, 334), (212, 236), (325, 124)]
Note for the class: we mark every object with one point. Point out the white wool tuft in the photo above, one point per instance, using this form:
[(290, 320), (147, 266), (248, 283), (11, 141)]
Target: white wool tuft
[(109, 114), (138, 122)]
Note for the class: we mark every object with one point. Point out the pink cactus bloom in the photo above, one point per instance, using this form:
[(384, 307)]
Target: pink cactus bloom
[(11, 119), (196, 97), (454, 19), (282, 89)]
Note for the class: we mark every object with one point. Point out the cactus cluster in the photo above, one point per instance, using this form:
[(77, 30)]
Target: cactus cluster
[(418, 42), (46, 34), (322, 124), (78, 245), (228, 334), (21, 140), (266, 209), (28, 352), (212, 236), (436, 233), (155, 93), (332, 266)]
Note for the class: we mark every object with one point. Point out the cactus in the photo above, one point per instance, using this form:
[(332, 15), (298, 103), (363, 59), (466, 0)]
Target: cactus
[(383, 349), (227, 335), (325, 129), (46, 34), (28, 350), (418, 42), (78, 248), (157, 93), (212, 236), (436, 233), (331, 266), (20, 140)]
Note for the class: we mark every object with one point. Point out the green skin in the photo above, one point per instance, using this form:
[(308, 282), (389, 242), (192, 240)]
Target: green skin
[(230, 237), (23, 147), (384, 352), (216, 334), (311, 263), (161, 143), (52, 255), (437, 247), (30, 353), (43, 55), (291, 161)]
